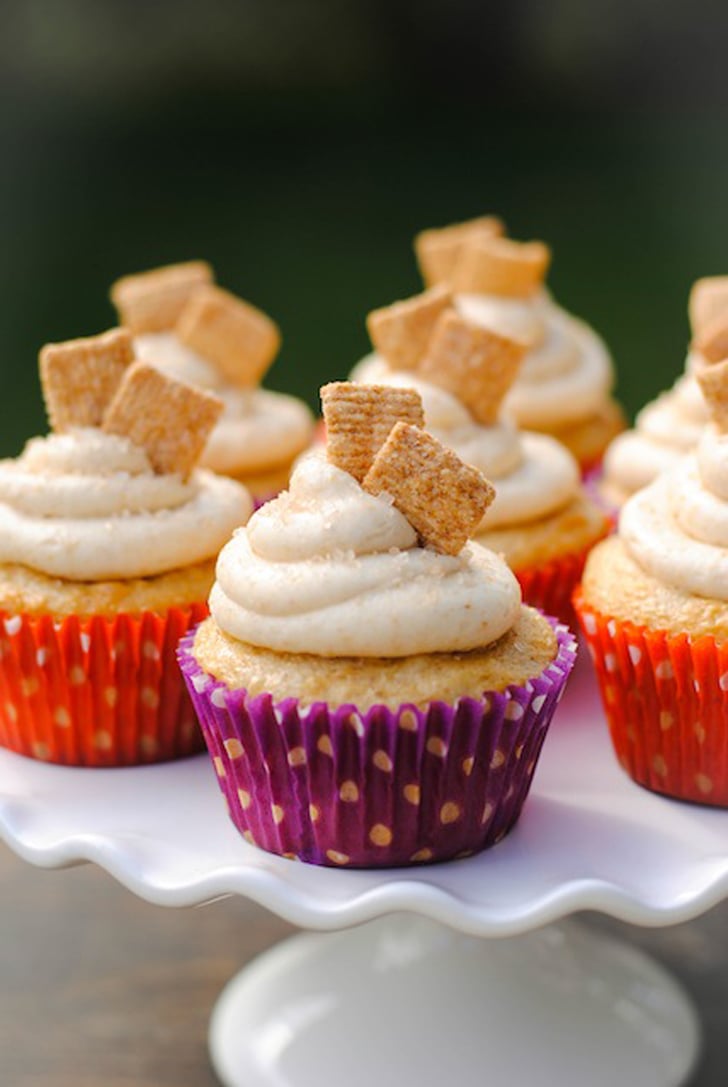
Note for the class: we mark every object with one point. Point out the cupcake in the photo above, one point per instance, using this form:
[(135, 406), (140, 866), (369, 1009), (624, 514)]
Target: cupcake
[(542, 520), (654, 609), (198, 333), (563, 387), (671, 425), (108, 536), (371, 688)]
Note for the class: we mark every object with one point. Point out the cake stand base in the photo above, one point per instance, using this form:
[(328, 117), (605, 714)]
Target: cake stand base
[(406, 1002)]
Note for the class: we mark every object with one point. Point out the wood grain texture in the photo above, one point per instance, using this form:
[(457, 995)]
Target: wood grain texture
[(98, 987)]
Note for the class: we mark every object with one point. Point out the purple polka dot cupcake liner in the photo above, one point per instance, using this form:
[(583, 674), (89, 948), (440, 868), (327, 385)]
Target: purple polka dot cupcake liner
[(381, 787)]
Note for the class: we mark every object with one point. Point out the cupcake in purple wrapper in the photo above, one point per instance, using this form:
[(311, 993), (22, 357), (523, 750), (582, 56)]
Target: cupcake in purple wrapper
[(371, 689)]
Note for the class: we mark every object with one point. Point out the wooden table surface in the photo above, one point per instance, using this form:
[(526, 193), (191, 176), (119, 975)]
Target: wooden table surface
[(100, 989)]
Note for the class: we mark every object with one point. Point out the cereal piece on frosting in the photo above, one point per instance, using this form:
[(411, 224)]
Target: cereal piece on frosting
[(437, 250), (712, 340), (713, 381), (443, 499), (169, 419), (359, 418), (708, 300), (494, 265), (402, 331), (240, 340), (152, 301), (79, 377), (477, 365)]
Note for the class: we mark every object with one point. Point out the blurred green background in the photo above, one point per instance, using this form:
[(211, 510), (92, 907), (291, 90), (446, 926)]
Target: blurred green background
[(299, 144)]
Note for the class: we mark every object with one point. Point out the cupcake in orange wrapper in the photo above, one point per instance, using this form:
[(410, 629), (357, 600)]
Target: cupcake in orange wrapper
[(197, 332), (542, 521), (654, 609), (108, 538), (564, 385), (671, 425), (371, 688)]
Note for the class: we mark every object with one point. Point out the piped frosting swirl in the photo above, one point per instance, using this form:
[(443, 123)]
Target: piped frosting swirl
[(331, 570), (677, 527), (86, 505)]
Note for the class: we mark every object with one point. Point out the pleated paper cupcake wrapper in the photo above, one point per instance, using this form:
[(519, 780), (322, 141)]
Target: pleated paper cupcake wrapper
[(98, 691), (550, 586), (384, 787), (666, 702)]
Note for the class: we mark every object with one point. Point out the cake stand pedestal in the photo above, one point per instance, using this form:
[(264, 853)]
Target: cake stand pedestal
[(423, 992)]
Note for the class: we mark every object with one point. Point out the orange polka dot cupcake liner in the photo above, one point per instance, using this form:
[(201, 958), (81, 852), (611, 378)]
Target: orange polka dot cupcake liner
[(382, 787), (666, 701), (98, 691)]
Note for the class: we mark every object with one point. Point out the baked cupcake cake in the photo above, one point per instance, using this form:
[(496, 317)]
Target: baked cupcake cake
[(542, 521), (564, 385), (670, 426), (371, 688), (108, 538), (654, 609), (201, 334)]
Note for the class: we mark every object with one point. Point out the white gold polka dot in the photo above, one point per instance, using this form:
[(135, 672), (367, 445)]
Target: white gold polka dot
[(233, 747), (349, 792), (513, 711), (149, 698), (635, 653), (498, 759), (704, 783), (245, 799), (62, 717), (337, 858), (325, 746), (538, 703), (380, 835), (102, 740), (664, 670), (437, 746), (610, 662), (110, 696), (11, 712), (450, 812), (382, 761), (412, 794), (13, 625), (76, 675), (278, 814), (297, 756), (218, 698)]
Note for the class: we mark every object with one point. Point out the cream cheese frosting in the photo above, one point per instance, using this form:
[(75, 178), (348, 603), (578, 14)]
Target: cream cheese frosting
[(676, 528), (330, 570), (534, 474), (665, 430), (566, 374), (258, 428), (87, 506)]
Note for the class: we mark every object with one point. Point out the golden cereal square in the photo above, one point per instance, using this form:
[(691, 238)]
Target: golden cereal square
[(401, 332), (712, 340), (240, 340), (443, 499), (169, 419), (708, 300), (359, 418), (153, 301), (79, 377), (713, 380), (438, 249), (501, 266), (477, 365)]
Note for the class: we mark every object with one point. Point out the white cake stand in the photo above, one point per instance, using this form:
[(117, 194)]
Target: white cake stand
[(418, 996)]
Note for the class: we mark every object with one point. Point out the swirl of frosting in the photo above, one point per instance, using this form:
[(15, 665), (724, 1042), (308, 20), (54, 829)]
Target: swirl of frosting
[(330, 570), (87, 506), (677, 527), (535, 474), (665, 430), (566, 374), (257, 429)]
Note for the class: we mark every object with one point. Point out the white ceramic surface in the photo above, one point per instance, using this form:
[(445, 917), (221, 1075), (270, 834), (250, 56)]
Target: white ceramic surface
[(404, 1001), (588, 839)]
